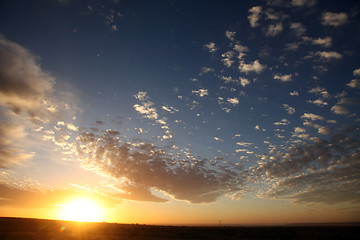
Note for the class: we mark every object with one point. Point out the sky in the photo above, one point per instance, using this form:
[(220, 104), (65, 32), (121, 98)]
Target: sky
[(181, 112)]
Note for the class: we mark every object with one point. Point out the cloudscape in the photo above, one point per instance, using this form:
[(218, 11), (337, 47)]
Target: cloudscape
[(181, 112)]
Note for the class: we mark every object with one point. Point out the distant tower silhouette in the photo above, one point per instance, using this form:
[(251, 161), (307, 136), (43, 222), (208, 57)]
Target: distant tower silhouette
[(219, 223)]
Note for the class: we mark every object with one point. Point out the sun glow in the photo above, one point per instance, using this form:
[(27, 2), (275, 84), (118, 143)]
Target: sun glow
[(82, 209)]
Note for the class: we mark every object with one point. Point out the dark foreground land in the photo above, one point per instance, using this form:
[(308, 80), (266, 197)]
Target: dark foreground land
[(24, 229)]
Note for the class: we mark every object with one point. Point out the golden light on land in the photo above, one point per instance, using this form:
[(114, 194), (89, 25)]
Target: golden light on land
[(82, 209)]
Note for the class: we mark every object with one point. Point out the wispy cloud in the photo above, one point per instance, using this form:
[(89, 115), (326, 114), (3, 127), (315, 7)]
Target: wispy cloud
[(211, 47), (274, 29), (302, 3)]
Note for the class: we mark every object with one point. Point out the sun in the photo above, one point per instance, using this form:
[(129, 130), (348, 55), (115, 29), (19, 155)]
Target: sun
[(82, 209)]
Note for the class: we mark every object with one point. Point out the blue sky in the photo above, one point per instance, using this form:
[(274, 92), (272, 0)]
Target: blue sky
[(194, 101)]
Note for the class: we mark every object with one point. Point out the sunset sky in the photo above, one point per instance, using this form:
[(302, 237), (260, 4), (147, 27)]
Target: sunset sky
[(181, 112)]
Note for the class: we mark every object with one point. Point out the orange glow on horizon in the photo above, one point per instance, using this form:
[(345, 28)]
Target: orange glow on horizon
[(83, 210)]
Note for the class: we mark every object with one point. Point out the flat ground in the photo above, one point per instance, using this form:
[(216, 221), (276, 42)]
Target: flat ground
[(29, 229)]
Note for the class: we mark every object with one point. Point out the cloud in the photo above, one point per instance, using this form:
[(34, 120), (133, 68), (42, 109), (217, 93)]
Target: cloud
[(230, 35), (294, 93), (228, 58), (255, 66), (143, 166), (211, 47), (283, 122), (312, 116), (11, 151), (355, 83), (325, 55), (206, 70), (290, 110), (201, 92), (22, 90), (324, 130), (334, 19), (146, 107), (274, 29), (234, 101), (298, 28), (244, 81), (255, 16), (319, 102), (301, 3), (324, 42), (340, 110), (283, 78), (319, 91), (320, 171), (328, 55), (356, 72), (27, 100)]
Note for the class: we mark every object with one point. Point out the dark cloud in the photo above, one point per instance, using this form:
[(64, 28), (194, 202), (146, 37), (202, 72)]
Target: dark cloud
[(10, 151), (322, 171), (142, 167), (23, 84)]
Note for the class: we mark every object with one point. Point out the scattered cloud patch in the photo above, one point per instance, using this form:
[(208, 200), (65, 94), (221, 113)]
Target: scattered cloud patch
[(274, 29), (283, 78), (290, 110), (255, 15), (201, 92), (303, 3), (255, 66), (211, 47), (334, 19)]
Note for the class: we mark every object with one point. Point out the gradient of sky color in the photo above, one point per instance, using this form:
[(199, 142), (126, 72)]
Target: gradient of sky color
[(181, 112)]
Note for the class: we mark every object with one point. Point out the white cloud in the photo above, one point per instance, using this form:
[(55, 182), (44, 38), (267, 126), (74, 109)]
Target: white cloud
[(234, 101), (206, 70), (147, 109), (283, 122), (324, 56), (356, 72), (274, 29), (324, 42), (211, 47), (230, 35), (319, 90), (283, 78), (328, 55), (294, 93), (298, 28), (299, 130), (301, 3), (355, 83), (141, 96), (290, 110), (319, 102), (312, 116), (228, 58), (201, 92), (255, 16), (218, 139), (255, 66), (244, 81), (334, 19), (340, 110)]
